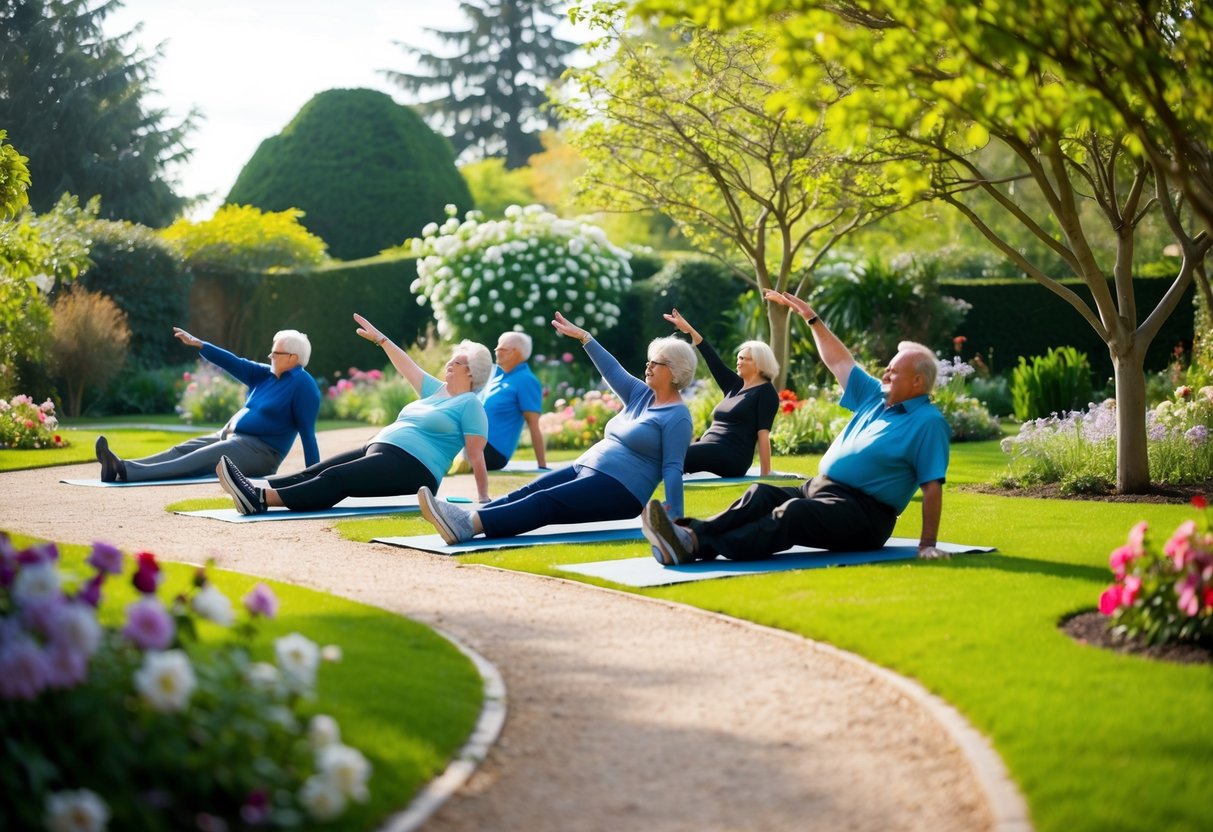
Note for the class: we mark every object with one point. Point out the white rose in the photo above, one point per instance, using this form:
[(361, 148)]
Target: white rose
[(346, 768), (166, 680), (76, 811), (214, 606), (297, 657), (321, 798)]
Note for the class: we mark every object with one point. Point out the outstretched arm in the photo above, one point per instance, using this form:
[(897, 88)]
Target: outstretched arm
[(833, 352), (683, 325), (400, 359)]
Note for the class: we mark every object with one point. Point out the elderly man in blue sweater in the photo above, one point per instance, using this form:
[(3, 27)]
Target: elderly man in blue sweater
[(282, 403)]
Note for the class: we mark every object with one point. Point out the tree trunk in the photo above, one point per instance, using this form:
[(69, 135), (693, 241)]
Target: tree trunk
[(1132, 457), (778, 317)]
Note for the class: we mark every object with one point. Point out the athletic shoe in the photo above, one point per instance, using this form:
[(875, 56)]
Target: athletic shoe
[(453, 523), (112, 468), (248, 498), (672, 544)]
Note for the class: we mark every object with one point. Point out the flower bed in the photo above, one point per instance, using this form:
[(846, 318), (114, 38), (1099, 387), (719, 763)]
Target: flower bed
[(143, 725), (28, 426)]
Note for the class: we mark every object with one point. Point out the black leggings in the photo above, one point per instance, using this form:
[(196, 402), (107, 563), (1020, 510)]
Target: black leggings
[(378, 470), (716, 459)]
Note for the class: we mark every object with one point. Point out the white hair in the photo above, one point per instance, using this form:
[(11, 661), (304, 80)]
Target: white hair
[(295, 341), (519, 341)]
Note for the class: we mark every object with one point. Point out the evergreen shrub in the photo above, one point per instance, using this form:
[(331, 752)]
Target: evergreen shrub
[(1056, 382), (366, 172)]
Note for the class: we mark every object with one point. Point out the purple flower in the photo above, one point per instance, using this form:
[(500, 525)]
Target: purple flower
[(65, 667), (23, 670), (41, 553), (106, 558), (148, 625), (261, 600), (90, 593)]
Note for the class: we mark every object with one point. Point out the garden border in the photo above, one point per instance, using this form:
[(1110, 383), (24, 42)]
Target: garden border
[(1006, 803), (461, 768)]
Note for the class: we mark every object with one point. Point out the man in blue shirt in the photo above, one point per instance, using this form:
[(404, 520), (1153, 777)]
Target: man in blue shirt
[(896, 443), (282, 403), (513, 396)]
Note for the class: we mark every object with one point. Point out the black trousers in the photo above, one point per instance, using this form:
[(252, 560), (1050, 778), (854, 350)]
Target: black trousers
[(378, 470), (770, 518), (716, 459), (493, 459)]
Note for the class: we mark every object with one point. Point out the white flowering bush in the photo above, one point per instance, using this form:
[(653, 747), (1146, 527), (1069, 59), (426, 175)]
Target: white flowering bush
[(484, 278), (141, 725), (966, 415)]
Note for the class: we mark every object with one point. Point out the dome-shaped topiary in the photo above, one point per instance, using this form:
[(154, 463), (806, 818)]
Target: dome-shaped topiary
[(366, 171)]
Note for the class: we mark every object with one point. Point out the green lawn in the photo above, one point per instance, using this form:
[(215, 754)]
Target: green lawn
[(402, 695), (1096, 740)]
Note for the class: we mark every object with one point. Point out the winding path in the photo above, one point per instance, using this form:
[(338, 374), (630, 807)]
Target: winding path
[(624, 713)]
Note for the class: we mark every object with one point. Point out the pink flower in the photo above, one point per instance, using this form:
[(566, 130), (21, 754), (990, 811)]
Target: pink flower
[(1121, 559), (1137, 536), (1131, 591), (1109, 601), (147, 573), (1189, 600), (261, 600), (105, 558), (567, 358), (186, 376), (1179, 547), (148, 625)]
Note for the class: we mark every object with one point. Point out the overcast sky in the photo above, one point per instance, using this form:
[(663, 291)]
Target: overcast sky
[(250, 65)]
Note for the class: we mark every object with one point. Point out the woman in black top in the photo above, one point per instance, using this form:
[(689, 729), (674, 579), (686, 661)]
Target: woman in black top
[(743, 419)]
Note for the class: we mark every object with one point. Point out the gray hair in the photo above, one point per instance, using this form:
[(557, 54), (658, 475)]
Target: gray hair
[(764, 358), (678, 355), (480, 361), (925, 363), (295, 341), (519, 341)]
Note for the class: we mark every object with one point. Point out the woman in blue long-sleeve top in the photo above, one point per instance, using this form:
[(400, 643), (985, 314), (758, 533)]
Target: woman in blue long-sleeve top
[(282, 403), (644, 444)]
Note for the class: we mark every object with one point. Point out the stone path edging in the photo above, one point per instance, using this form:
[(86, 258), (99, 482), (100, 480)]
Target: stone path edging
[(1007, 805), (470, 756)]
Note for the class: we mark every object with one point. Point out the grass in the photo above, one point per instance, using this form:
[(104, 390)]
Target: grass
[(1095, 739), (402, 695), (128, 438)]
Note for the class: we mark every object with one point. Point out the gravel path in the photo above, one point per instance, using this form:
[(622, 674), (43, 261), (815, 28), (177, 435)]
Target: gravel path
[(624, 713)]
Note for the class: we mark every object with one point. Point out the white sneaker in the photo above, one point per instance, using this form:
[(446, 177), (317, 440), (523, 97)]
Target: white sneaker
[(672, 544), (453, 523)]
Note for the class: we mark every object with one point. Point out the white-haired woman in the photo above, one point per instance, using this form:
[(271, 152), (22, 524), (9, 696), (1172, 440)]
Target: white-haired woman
[(644, 445), (742, 421), (412, 453), (282, 403)]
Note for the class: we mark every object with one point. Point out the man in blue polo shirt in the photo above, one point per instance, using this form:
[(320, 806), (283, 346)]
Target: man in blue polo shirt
[(282, 403), (513, 396), (896, 443)]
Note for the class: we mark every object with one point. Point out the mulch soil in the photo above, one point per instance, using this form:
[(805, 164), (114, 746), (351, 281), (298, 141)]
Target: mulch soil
[(1093, 628), (1177, 494)]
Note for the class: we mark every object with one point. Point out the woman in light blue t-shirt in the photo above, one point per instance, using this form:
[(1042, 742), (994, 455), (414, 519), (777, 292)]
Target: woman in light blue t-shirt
[(411, 453), (644, 445)]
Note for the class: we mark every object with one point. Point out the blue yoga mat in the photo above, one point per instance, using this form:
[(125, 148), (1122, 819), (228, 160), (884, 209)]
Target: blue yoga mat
[(642, 572), (349, 507), (183, 481), (558, 533)]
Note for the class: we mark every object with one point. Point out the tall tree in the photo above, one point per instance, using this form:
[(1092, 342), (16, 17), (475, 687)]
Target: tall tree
[(495, 81), (75, 101), (679, 123), (937, 81)]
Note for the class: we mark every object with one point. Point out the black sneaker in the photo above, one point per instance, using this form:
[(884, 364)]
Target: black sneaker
[(112, 468), (248, 498)]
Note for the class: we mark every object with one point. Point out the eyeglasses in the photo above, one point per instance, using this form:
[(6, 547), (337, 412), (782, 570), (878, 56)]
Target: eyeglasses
[(653, 363), (277, 352)]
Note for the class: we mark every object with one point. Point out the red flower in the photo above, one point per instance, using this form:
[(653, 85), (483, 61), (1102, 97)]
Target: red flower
[(1200, 502), (788, 406), (147, 573)]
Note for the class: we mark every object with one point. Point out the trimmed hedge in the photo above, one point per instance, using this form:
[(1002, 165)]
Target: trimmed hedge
[(145, 277), (1018, 317), (321, 303), (367, 173)]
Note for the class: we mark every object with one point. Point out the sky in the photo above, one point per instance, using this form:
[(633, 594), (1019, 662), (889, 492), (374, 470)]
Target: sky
[(250, 65)]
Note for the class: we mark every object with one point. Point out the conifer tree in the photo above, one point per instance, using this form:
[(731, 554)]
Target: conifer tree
[(495, 81)]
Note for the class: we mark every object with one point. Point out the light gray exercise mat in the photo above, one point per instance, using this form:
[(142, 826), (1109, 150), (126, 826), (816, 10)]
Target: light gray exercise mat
[(604, 531), (704, 478), (648, 572), (349, 507), (182, 481), (528, 466)]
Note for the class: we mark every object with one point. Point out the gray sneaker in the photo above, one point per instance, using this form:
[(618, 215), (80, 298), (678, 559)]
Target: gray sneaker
[(672, 544), (247, 497), (453, 523)]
